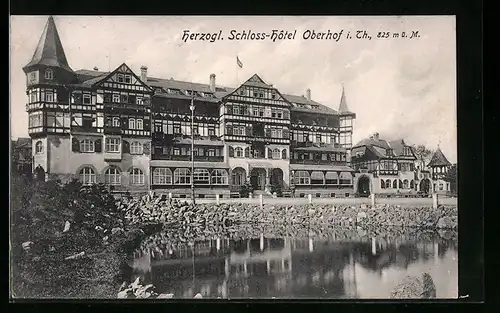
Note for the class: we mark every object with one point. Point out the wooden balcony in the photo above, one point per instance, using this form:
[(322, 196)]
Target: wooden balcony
[(188, 158)]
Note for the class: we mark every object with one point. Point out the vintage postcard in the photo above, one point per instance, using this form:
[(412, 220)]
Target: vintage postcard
[(231, 157)]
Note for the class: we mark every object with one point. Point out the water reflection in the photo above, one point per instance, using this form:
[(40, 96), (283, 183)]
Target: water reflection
[(295, 268)]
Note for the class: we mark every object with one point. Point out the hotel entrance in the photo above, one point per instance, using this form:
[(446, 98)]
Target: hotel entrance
[(258, 178)]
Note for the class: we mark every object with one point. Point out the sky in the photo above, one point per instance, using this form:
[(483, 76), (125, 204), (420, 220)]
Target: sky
[(400, 88)]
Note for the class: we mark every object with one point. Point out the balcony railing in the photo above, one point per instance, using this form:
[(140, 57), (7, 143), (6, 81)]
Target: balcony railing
[(83, 129), (388, 172), (188, 158), (318, 162)]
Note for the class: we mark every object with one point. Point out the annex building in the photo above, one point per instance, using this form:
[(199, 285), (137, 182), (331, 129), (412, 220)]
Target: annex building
[(136, 133)]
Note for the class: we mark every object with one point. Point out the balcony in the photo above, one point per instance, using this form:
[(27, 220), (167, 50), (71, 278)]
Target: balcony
[(318, 162), (83, 129), (188, 158), (112, 130), (388, 172)]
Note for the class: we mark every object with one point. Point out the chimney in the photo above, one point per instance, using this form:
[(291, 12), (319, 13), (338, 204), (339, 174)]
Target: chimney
[(96, 68), (212, 82), (144, 73), (308, 94), (375, 136)]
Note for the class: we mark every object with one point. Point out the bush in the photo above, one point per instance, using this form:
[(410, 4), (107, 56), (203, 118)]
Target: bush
[(39, 213), (278, 189)]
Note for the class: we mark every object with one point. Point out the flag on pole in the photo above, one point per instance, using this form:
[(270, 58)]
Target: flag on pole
[(238, 62)]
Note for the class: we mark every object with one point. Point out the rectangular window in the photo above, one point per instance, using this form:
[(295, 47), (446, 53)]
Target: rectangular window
[(112, 145), (86, 99), (139, 124), (124, 98), (116, 98), (49, 96), (120, 78), (128, 79), (236, 109), (139, 101), (177, 151)]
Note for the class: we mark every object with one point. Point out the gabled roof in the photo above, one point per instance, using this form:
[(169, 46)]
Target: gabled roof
[(88, 77), (49, 51), (372, 141), (438, 159)]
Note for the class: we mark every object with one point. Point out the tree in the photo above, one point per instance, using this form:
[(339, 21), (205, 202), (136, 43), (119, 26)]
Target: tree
[(422, 153), (451, 177)]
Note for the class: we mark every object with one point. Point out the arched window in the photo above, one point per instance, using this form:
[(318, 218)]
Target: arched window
[(219, 177), (49, 74), (201, 176), (238, 176), (382, 184), (136, 148), (332, 178), (139, 124), (116, 122), (131, 123), (302, 178), (317, 178), (162, 176), (87, 145), (238, 152), (395, 184), (113, 176), (39, 147), (136, 176), (284, 154), (412, 184), (87, 176), (405, 184), (345, 178), (388, 183), (276, 153), (182, 176)]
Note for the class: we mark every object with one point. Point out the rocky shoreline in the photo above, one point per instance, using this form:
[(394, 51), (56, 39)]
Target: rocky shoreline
[(177, 214)]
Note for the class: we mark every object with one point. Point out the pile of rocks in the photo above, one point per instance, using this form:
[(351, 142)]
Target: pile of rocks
[(412, 287), (137, 290), (173, 214)]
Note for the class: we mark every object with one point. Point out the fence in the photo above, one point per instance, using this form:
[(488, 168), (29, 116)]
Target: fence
[(435, 200)]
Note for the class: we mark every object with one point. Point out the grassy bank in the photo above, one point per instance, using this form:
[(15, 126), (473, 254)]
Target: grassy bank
[(67, 241)]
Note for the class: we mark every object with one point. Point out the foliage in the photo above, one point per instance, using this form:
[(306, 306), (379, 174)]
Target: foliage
[(246, 189), (278, 189), (422, 153), (39, 212)]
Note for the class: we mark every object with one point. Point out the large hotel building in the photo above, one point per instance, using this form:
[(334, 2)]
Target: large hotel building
[(136, 133)]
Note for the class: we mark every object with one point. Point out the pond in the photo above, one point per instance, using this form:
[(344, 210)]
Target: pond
[(340, 265)]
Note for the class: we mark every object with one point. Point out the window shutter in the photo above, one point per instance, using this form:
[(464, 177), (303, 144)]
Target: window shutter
[(268, 132), (231, 152), (269, 153), (98, 145), (146, 148), (146, 125), (229, 129), (75, 145), (124, 121), (247, 153), (126, 147), (286, 133)]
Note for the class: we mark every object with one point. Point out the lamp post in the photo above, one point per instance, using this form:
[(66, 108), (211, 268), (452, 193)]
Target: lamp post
[(191, 107)]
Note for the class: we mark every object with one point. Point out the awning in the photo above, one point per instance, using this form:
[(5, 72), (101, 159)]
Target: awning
[(332, 175), (187, 164), (316, 175), (317, 167)]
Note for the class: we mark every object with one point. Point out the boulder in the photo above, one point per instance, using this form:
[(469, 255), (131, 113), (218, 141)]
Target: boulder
[(412, 287), (165, 296), (27, 245), (66, 226), (445, 222), (198, 296)]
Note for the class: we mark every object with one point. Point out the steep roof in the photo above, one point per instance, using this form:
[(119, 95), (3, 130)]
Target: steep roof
[(373, 141), (438, 159), (89, 77), (49, 50)]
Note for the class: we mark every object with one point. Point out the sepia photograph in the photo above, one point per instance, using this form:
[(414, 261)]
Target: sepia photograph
[(233, 157)]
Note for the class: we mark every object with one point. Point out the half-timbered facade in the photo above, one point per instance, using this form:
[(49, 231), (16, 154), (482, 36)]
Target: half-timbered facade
[(384, 167), (136, 133)]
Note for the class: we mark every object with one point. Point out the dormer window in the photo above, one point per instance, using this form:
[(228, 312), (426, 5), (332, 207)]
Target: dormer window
[(406, 151), (388, 152), (49, 74)]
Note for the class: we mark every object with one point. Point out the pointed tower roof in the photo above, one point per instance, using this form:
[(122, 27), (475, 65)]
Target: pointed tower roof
[(49, 50), (438, 159), (343, 108)]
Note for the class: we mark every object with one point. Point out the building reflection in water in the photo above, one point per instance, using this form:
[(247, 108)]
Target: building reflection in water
[(277, 267)]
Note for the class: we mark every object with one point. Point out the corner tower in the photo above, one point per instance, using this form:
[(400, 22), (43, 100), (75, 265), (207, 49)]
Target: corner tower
[(48, 75)]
